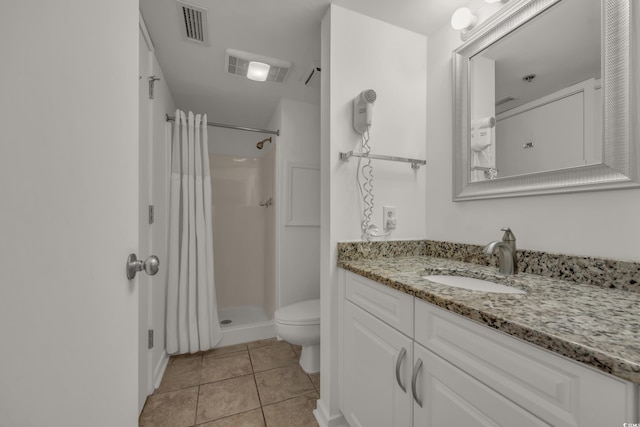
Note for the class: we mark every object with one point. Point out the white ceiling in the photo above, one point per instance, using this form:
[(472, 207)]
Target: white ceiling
[(283, 29)]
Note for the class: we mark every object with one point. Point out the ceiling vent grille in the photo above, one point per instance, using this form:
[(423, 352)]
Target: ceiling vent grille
[(237, 63), (194, 23)]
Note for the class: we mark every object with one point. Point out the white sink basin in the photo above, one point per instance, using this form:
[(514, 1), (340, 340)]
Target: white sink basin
[(473, 284)]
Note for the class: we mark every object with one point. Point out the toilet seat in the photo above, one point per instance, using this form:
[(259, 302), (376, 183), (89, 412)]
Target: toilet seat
[(300, 314)]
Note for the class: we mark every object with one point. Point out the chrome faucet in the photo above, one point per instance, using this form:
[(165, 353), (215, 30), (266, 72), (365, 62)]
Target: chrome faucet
[(507, 258)]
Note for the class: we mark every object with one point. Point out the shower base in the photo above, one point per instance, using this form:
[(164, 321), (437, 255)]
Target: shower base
[(244, 315), (244, 324)]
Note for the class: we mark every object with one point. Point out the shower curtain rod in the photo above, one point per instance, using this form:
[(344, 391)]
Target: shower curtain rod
[(222, 125)]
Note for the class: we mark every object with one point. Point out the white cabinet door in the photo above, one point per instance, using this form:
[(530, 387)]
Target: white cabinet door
[(446, 396), (373, 394)]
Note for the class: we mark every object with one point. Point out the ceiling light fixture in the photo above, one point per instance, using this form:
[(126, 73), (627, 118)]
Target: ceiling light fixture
[(258, 71), (256, 67), (463, 19)]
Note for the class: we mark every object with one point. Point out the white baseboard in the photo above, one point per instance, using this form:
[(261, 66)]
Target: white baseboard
[(324, 420), (158, 372)]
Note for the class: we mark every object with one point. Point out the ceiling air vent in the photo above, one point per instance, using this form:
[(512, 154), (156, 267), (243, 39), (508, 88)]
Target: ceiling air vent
[(237, 63), (193, 20)]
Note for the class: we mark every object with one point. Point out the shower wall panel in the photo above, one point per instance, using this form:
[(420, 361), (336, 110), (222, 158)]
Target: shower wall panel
[(238, 231), (268, 188)]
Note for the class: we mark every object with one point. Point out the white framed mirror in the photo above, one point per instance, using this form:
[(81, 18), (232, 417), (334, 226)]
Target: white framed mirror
[(543, 101)]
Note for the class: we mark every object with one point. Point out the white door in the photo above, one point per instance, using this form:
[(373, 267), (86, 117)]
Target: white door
[(373, 394), (68, 213)]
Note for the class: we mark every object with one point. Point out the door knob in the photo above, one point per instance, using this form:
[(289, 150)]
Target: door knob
[(150, 265)]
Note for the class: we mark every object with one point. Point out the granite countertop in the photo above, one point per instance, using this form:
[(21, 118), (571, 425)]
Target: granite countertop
[(594, 325)]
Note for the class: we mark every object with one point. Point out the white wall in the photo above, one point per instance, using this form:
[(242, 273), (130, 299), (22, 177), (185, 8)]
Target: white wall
[(370, 54), (601, 223), (233, 142), (360, 53), (298, 260)]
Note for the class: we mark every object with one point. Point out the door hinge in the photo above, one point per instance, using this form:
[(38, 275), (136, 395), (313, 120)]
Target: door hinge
[(151, 214), (150, 338)]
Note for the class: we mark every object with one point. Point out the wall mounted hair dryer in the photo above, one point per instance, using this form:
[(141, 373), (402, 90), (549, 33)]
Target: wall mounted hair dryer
[(363, 110)]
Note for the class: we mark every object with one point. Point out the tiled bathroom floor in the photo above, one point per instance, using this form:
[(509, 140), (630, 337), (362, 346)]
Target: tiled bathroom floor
[(258, 384)]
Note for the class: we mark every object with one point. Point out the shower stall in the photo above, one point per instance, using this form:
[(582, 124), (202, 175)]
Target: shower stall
[(244, 239), (265, 196)]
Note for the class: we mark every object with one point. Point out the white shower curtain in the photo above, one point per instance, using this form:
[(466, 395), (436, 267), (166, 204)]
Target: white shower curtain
[(192, 312)]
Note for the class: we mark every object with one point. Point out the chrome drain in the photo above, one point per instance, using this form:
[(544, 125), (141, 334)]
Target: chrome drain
[(225, 322)]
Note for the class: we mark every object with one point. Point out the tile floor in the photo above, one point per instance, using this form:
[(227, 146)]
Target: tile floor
[(258, 384)]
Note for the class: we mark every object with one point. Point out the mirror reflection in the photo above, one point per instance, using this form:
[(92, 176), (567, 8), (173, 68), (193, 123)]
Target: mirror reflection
[(534, 95)]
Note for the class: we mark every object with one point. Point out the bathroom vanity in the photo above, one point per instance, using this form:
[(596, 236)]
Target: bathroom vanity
[(566, 352), (418, 353)]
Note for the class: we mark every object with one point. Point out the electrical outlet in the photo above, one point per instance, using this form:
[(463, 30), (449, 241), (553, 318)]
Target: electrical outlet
[(389, 217)]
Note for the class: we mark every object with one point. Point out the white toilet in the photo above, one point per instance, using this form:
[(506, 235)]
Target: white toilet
[(300, 324)]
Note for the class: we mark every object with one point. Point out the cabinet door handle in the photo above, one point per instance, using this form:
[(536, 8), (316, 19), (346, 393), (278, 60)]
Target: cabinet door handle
[(399, 360), (414, 377)]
